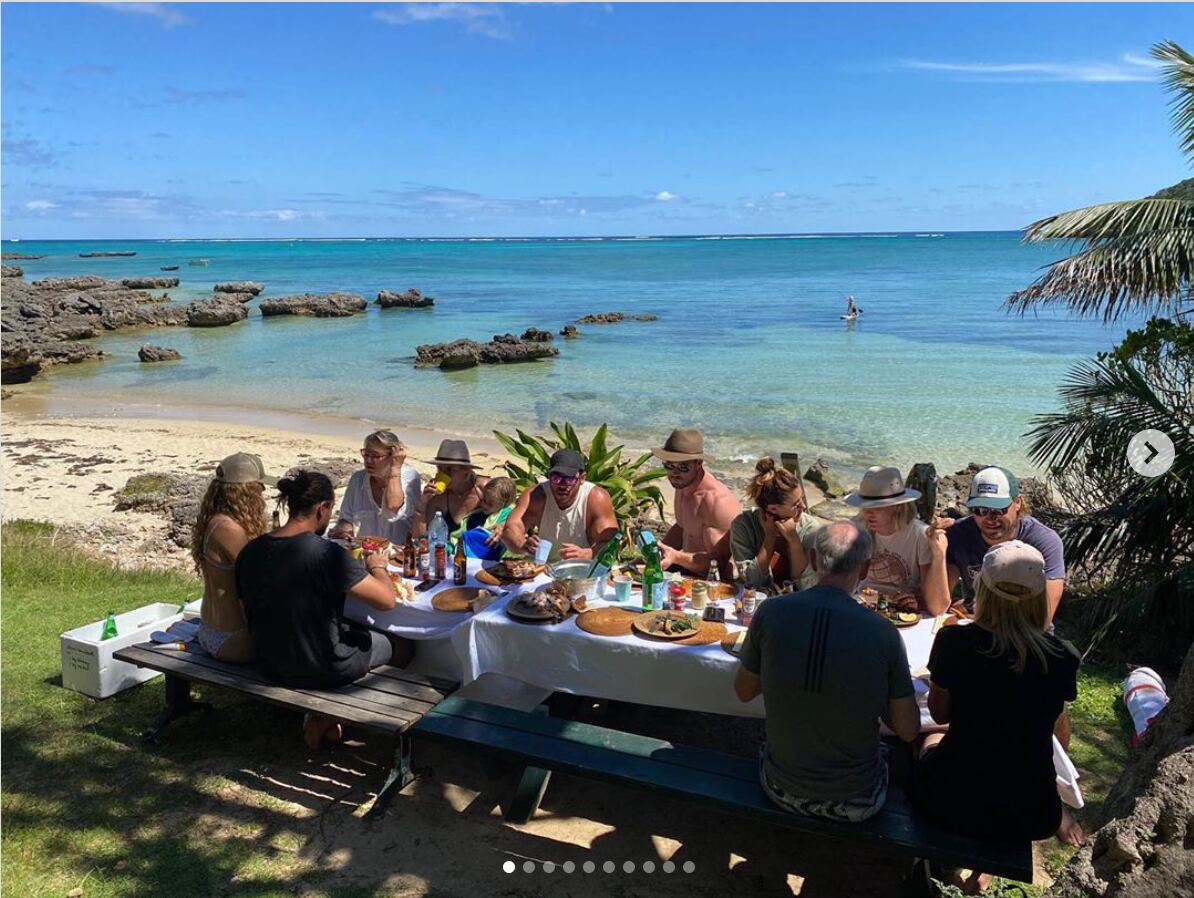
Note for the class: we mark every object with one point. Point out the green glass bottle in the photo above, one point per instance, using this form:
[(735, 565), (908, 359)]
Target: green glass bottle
[(109, 626), (653, 584), (604, 561)]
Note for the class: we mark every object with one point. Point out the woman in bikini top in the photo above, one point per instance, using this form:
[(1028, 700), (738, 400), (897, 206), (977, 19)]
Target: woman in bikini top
[(231, 514), (463, 494)]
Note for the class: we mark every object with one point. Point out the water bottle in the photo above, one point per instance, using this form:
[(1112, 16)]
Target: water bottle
[(437, 537)]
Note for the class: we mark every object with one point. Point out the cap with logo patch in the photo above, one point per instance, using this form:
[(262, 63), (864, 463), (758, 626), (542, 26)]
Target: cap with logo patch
[(993, 488)]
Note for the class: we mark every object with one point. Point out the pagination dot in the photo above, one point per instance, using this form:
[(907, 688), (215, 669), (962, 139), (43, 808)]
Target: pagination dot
[(648, 866), (689, 866), (669, 867), (609, 867), (569, 866), (528, 867), (628, 867), (589, 866), (548, 867), (508, 866)]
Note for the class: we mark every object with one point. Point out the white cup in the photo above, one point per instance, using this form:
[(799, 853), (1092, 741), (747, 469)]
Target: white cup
[(544, 551)]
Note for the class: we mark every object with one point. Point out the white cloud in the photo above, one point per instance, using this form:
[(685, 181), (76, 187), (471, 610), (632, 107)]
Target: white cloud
[(273, 214), (167, 16), (40, 205), (488, 19), (1129, 68), (665, 197)]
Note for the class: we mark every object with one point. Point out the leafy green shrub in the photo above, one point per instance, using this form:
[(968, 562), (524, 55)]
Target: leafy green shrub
[(626, 481)]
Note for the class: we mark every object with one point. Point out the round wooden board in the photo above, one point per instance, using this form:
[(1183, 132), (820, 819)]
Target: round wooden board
[(607, 621), (642, 624), (710, 632), (457, 599), (728, 640)]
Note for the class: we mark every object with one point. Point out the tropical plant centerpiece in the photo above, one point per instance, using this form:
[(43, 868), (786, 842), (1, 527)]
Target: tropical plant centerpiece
[(627, 481)]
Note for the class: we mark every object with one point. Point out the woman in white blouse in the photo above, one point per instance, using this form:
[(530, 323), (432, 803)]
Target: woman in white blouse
[(383, 497)]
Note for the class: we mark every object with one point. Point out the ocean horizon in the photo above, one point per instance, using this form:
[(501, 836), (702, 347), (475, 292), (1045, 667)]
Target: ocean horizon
[(749, 344)]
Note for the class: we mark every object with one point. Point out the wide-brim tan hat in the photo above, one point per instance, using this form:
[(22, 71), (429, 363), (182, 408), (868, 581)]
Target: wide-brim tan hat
[(684, 444), (881, 487), (454, 452)]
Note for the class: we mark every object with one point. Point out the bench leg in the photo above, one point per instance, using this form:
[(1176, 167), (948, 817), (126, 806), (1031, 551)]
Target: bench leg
[(400, 776), (178, 704), (530, 792), (918, 881)]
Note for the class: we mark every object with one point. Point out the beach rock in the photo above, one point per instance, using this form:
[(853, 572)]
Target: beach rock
[(250, 287), (317, 305), (503, 349), (569, 332), (6, 394), (602, 318), (148, 283), (106, 255), (535, 335), (11, 271), (7, 256), (218, 312), (39, 321), (237, 297), (820, 474), (646, 316), (148, 353), (411, 299)]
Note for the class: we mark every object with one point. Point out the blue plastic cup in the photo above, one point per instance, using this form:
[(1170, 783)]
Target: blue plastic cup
[(623, 586)]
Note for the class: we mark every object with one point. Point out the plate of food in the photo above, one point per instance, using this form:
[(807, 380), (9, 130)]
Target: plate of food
[(517, 569), (370, 544), (551, 603), (903, 618), (667, 624), (403, 590)]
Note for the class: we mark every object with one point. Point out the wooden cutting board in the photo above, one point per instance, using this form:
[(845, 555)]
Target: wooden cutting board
[(607, 621)]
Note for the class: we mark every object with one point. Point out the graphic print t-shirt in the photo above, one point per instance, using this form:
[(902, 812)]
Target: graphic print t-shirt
[(896, 559)]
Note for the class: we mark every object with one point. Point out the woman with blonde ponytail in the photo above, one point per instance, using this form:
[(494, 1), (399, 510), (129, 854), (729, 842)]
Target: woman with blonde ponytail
[(1000, 683), (770, 542)]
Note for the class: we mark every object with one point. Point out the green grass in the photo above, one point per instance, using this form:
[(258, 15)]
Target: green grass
[(84, 804), (143, 484)]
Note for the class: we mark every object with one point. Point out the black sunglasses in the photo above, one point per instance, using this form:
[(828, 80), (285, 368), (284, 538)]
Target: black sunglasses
[(680, 467)]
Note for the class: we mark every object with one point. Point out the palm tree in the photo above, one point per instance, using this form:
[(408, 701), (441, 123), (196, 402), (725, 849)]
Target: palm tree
[(1132, 258)]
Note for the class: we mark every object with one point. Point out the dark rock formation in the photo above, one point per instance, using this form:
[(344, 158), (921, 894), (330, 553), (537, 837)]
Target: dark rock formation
[(250, 287), (104, 255), (148, 353), (535, 335), (503, 349), (820, 475), (237, 297), (40, 320), (148, 283), (20, 256), (615, 318), (411, 299), (217, 312), (569, 332), (317, 305), (11, 271)]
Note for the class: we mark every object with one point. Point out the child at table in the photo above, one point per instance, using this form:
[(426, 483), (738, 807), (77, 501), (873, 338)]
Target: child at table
[(1000, 683), (484, 538)]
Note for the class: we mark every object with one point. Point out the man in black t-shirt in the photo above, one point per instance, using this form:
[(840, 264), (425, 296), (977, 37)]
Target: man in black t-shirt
[(293, 585)]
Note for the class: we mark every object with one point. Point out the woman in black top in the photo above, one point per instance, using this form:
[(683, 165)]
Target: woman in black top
[(1000, 683)]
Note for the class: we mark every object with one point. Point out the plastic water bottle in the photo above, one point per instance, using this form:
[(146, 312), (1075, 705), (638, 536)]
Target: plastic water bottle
[(437, 533)]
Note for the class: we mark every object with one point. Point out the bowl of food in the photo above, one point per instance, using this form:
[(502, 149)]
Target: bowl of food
[(574, 577)]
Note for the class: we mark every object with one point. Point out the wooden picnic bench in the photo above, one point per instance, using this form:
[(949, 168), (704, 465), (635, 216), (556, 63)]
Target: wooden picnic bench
[(729, 782), (387, 699)]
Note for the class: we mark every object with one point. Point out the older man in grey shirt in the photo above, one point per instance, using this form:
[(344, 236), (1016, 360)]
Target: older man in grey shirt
[(829, 670)]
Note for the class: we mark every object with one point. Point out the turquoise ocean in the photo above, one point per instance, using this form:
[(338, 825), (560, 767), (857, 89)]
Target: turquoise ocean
[(749, 345)]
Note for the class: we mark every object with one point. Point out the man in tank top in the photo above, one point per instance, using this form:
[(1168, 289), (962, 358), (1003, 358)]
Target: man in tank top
[(576, 515)]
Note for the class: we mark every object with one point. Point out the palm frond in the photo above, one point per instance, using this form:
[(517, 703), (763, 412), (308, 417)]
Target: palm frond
[(1179, 79), (1138, 256)]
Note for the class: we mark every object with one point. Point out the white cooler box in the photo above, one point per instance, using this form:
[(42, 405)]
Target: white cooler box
[(87, 663)]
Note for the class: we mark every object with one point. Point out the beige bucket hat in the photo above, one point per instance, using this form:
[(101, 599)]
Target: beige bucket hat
[(881, 487), (683, 444)]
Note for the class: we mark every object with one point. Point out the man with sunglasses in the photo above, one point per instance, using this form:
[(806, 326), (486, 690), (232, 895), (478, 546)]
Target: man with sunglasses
[(705, 507), (999, 513), (576, 515)]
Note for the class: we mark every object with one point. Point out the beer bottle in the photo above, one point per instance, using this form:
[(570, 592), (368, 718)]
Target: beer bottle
[(441, 561), (460, 564), (410, 557)]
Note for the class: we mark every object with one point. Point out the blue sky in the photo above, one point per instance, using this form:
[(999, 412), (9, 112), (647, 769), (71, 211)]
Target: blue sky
[(257, 120)]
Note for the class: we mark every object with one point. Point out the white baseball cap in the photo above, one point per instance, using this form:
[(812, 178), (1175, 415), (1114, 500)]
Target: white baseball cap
[(1014, 563), (993, 488)]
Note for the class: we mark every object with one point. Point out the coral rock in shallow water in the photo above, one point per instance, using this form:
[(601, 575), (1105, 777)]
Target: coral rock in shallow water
[(148, 353), (149, 283), (215, 312), (316, 305), (12, 271), (251, 287), (504, 349), (411, 299)]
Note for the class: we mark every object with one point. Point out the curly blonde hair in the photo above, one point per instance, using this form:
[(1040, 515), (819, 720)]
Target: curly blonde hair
[(243, 502)]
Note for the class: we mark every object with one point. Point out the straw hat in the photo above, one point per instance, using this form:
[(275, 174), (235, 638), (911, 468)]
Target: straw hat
[(454, 452), (684, 444), (880, 488)]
